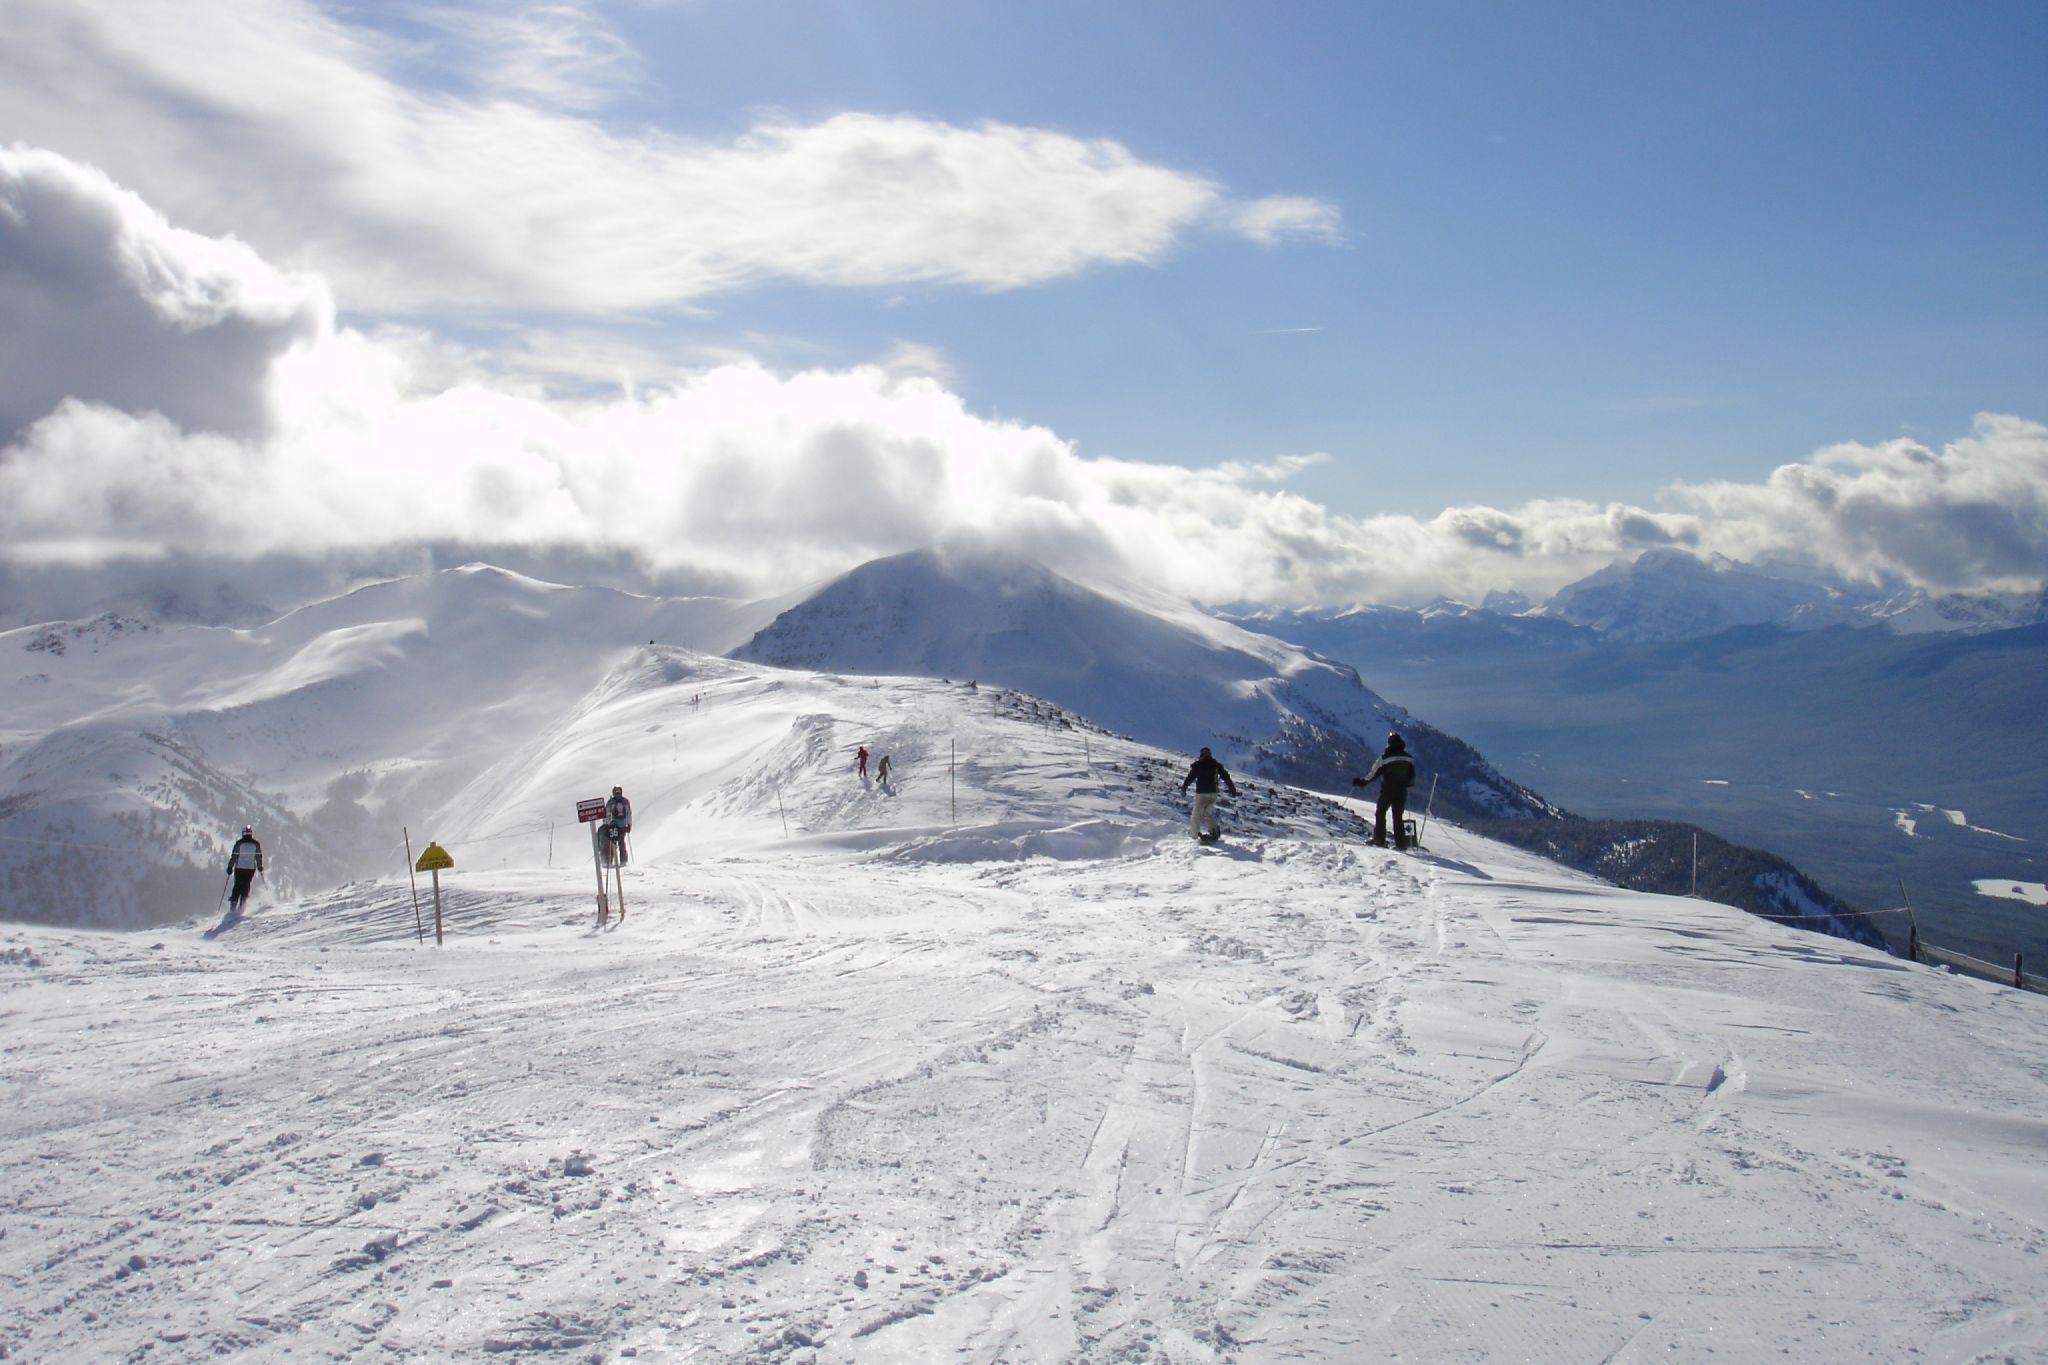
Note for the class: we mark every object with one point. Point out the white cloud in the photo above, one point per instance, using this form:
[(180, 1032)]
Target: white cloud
[(103, 300), (1972, 514), (560, 53), (272, 118), (372, 447), (1284, 217)]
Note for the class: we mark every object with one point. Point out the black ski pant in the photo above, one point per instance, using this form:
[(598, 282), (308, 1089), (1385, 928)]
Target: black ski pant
[(243, 876), (1393, 799)]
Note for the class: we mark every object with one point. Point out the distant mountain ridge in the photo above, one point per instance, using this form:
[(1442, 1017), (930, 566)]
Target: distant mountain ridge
[(1180, 679), (132, 751), (1670, 594), (1158, 671), (1817, 744)]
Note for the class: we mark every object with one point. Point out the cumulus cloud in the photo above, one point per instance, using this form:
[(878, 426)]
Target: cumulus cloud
[(1972, 514), (375, 449), (105, 301), (270, 117)]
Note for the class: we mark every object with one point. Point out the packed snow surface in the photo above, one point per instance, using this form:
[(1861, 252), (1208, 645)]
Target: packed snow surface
[(998, 1065)]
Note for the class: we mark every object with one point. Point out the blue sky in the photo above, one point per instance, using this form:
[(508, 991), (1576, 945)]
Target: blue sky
[(1307, 303), (1587, 249)]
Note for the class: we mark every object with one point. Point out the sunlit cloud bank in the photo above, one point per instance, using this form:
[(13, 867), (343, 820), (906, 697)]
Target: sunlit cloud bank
[(321, 444), (277, 121)]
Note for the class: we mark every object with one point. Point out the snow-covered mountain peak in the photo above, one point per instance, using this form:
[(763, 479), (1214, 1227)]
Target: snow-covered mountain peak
[(1671, 594), (1165, 672)]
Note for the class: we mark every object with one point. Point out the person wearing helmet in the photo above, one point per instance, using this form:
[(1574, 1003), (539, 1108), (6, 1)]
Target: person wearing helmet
[(245, 860), (618, 823), (1395, 772), (1206, 774)]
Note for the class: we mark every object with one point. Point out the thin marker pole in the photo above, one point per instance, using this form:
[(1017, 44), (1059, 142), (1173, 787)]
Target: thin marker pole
[(420, 930), (1912, 928), (1430, 809)]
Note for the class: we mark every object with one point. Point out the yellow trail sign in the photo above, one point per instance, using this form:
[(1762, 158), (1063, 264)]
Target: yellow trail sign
[(433, 858)]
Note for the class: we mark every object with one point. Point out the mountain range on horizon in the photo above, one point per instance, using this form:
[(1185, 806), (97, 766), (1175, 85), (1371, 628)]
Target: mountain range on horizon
[(1662, 594), (1899, 767), (398, 704)]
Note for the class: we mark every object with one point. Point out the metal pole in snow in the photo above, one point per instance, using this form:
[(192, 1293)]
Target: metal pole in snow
[(953, 774), (780, 811), (437, 907), (1430, 809), (420, 930), (1912, 929), (551, 843), (1695, 864)]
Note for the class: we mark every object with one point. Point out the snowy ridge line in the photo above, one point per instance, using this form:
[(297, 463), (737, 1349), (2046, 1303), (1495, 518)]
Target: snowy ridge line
[(70, 843)]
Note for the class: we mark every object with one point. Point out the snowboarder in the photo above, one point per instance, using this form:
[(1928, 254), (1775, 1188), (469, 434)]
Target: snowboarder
[(245, 860), (618, 823), (862, 759), (1395, 772), (1205, 772)]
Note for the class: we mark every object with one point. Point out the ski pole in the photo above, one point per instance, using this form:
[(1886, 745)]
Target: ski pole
[(224, 890), (1431, 807)]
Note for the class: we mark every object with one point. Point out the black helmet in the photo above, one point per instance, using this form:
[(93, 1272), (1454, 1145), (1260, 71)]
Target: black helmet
[(1396, 742), (618, 790), (248, 829), (1205, 753)]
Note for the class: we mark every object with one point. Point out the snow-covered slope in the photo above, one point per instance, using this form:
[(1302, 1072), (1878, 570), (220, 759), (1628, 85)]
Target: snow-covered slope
[(132, 753), (1158, 670), (1801, 742), (998, 1066)]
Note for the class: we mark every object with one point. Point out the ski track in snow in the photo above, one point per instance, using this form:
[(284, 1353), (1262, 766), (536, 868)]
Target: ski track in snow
[(892, 1091)]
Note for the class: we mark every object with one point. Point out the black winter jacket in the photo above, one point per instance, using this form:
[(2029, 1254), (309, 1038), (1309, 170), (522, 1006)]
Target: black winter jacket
[(1204, 772), (1395, 771)]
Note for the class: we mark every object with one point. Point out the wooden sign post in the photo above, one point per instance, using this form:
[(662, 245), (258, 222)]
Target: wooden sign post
[(592, 813), (432, 859)]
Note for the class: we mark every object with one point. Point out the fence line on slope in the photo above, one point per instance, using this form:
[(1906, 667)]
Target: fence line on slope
[(2016, 975)]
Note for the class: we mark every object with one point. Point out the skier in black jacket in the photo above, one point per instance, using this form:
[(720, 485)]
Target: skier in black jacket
[(1205, 772), (245, 860), (1395, 772)]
